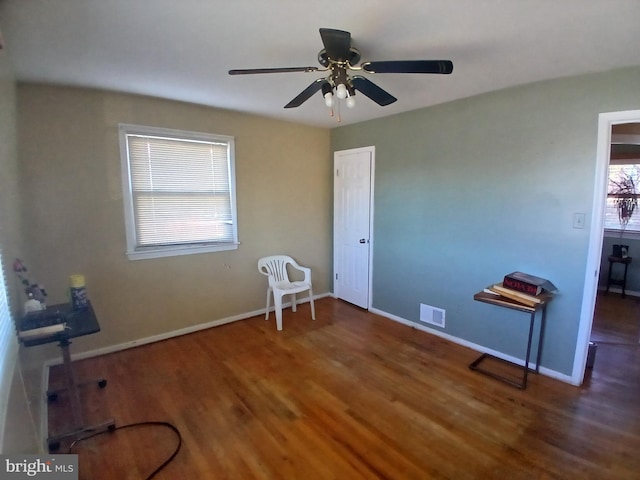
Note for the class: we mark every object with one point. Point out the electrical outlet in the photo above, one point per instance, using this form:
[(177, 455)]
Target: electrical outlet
[(578, 220)]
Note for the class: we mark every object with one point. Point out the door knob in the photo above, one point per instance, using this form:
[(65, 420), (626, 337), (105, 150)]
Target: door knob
[(362, 240)]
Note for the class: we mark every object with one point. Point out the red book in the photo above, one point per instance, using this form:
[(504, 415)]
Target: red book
[(529, 284)]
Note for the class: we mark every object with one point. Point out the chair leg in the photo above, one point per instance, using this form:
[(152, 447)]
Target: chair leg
[(266, 317), (313, 307), (293, 303), (277, 298)]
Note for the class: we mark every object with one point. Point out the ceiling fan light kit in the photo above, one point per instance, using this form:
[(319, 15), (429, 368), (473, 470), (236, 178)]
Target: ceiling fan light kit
[(338, 58)]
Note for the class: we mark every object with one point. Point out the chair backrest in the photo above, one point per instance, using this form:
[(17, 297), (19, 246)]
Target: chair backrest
[(275, 267)]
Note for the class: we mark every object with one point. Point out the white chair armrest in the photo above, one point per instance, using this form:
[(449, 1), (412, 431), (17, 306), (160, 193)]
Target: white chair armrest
[(305, 270)]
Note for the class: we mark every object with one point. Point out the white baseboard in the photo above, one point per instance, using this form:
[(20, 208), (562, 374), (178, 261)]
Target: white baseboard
[(545, 371)]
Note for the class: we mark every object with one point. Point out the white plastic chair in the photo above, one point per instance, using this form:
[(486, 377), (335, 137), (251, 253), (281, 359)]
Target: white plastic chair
[(275, 267)]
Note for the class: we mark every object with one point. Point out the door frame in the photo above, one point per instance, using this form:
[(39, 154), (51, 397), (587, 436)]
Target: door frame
[(372, 150), (594, 253)]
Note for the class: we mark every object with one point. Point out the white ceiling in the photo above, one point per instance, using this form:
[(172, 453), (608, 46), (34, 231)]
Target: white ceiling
[(183, 49)]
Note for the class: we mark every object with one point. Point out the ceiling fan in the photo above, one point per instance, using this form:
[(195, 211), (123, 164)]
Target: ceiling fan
[(339, 57)]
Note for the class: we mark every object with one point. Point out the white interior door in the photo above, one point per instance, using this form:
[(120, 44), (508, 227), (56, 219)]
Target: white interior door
[(353, 188)]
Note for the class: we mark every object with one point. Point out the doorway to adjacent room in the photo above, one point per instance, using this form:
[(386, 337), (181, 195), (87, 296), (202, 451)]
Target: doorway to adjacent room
[(606, 124)]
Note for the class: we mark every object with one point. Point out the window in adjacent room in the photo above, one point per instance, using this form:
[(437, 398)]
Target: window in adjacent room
[(624, 186), (179, 192)]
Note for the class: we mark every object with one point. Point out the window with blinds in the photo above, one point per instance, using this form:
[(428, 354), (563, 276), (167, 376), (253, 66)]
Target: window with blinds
[(179, 192), (621, 173), (8, 351)]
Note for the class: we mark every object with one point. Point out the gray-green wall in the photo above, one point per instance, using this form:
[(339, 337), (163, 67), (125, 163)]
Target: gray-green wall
[(468, 191)]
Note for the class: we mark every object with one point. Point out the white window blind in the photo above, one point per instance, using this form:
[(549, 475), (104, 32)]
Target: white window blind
[(180, 189), (8, 352), (617, 171)]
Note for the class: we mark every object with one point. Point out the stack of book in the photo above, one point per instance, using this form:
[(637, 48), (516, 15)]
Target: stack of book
[(523, 288)]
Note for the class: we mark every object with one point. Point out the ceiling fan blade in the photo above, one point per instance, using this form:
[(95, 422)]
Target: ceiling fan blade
[(248, 71), (409, 66), (337, 43), (372, 91), (306, 94)]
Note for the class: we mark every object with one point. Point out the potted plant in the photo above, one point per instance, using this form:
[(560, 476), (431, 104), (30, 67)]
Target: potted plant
[(626, 202)]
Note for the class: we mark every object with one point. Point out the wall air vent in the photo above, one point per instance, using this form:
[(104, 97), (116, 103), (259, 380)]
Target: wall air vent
[(432, 315)]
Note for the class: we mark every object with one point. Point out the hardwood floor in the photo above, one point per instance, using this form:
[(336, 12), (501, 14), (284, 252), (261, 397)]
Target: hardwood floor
[(350, 396), (616, 320)]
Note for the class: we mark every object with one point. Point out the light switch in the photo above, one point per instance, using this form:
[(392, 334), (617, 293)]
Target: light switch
[(578, 220)]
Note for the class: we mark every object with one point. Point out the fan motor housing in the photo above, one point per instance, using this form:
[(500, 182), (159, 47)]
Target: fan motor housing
[(325, 61)]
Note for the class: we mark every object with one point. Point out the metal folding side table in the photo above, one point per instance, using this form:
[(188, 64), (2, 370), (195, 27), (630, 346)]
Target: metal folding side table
[(500, 301)]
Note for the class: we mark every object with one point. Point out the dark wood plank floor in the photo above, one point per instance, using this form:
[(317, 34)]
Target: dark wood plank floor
[(351, 396)]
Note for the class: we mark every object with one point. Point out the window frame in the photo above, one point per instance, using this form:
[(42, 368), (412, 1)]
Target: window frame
[(134, 251)]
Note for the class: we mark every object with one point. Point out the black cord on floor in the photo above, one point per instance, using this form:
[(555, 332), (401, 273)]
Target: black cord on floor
[(140, 424)]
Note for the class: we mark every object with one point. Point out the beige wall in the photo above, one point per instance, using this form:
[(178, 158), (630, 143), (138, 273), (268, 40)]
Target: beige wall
[(74, 221)]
